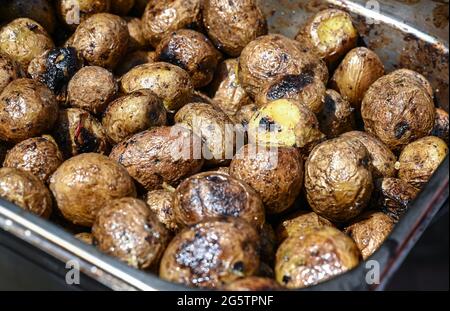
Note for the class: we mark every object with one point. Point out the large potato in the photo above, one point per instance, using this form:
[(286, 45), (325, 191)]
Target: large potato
[(9, 71), (337, 115), (40, 11), (299, 224)]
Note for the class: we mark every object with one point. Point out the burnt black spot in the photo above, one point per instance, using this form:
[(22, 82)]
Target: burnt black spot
[(169, 54), (289, 84), (32, 27), (239, 266), (286, 279), (400, 129), (330, 105), (86, 141), (365, 162), (61, 65)]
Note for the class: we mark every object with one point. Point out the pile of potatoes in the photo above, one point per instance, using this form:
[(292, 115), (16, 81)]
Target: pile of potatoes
[(203, 149)]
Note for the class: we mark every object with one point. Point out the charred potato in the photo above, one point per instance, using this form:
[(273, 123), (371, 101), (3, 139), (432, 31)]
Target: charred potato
[(83, 184), (137, 39), (232, 25), (300, 224), (276, 174), (24, 39), (161, 204), (9, 71), (72, 15), (398, 110), (85, 237), (212, 194), (338, 179), (38, 155), (369, 231), (337, 115), (25, 190), (127, 229), (441, 125), (253, 283), (134, 59), (360, 68), (317, 256), (420, 159), (211, 254), (40, 11), (121, 7), (133, 113), (160, 155), (27, 109)]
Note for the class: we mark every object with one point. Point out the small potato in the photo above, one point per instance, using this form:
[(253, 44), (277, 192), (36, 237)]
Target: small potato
[(121, 7), (102, 39), (393, 196), (127, 229), (133, 113), (85, 237), (441, 125), (38, 155), (25, 190), (161, 203), (338, 179), (232, 24), (369, 232), (383, 160), (83, 185), (170, 83), (40, 11), (160, 155), (317, 256), (276, 174), (9, 71), (212, 194), (299, 224), (137, 38), (163, 17), (212, 253), (134, 59), (23, 39), (331, 33), (398, 110), (253, 283), (72, 15), (337, 115), (27, 109), (420, 159), (360, 68)]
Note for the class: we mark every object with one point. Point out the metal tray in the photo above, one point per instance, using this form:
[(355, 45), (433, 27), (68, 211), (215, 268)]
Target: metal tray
[(410, 34)]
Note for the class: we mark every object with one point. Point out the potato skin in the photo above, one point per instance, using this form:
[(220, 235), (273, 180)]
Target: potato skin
[(398, 110), (38, 155), (316, 257), (420, 159), (358, 70), (25, 190), (127, 229), (102, 39), (27, 109), (162, 17), (161, 203), (9, 71), (369, 232), (441, 125), (67, 13), (211, 253), (299, 224), (83, 184), (276, 174), (137, 39), (40, 11), (253, 283), (211, 194), (337, 115), (160, 155), (232, 25), (338, 179), (24, 39)]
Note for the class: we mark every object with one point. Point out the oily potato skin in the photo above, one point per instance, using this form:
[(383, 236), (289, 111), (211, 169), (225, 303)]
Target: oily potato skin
[(24, 39), (212, 194), (299, 224), (398, 110), (27, 109), (369, 231), (231, 25), (212, 253), (25, 190), (441, 124), (337, 115), (420, 159), (127, 229), (276, 174), (161, 203), (83, 184), (317, 256), (253, 283), (160, 155), (38, 155), (9, 71), (67, 12), (338, 179), (40, 11)]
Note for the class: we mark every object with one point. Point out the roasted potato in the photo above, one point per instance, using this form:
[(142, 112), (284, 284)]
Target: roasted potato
[(441, 124), (83, 184), (338, 179), (121, 7), (360, 68), (211, 194), (24, 39), (134, 59), (128, 230), (337, 115), (253, 283), (38, 155), (133, 113), (85, 237), (275, 173), (398, 110), (170, 83), (317, 256), (71, 13), (27, 109), (160, 155), (9, 71), (299, 224), (416, 77), (137, 39), (40, 11), (420, 159), (212, 253), (369, 231), (161, 204), (233, 24), (160, 18), (25, 190)]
